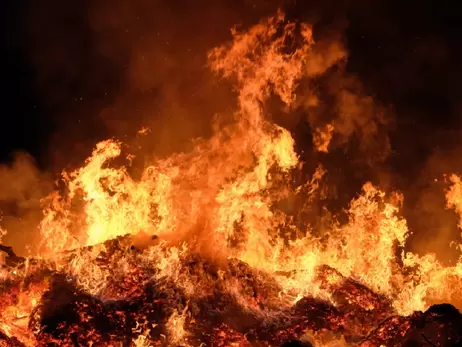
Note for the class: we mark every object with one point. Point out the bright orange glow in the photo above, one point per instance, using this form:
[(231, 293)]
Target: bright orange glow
[(219, 202)]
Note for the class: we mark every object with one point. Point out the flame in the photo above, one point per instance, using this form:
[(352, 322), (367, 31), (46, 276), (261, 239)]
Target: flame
[(454, 197), (175, 326), (322, 138), (17, 308), (219, 201)]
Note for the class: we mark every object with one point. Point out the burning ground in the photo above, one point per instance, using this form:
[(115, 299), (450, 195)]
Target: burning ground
[(214, 247), (136, 304)]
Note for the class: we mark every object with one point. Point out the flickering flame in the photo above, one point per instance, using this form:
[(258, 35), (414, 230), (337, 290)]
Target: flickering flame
[(175, 326), (322, 138), (219, 201), (454, 197), (16, 311)]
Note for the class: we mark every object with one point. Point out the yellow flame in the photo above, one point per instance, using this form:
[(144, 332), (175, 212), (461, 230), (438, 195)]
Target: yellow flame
[(219, 198), (219, 201)]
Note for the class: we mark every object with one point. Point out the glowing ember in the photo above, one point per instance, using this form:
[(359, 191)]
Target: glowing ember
[(197, 252)]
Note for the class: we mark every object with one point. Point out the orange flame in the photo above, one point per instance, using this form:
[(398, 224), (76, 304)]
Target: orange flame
[(219, 201), (219, 198)]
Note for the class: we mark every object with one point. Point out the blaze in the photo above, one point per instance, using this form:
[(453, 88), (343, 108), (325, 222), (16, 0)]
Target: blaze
[(220, 200)]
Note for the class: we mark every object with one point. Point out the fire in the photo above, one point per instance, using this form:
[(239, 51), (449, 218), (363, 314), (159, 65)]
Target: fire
[(175, 326), (322, 138), (199, 219)]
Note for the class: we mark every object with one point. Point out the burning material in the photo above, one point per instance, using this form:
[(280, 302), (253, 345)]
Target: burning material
[(322, 138), (197, 251)]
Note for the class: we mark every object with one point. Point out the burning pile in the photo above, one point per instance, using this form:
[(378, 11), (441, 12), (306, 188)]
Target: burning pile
[(201, 249)]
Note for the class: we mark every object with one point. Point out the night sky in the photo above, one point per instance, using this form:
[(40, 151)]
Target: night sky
[(407, 53), (65, 86)]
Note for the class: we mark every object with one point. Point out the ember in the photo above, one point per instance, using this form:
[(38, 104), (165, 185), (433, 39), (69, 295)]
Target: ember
[(198, 250)]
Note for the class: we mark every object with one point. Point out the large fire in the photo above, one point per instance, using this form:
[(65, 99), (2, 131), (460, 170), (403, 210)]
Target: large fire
[(201, 248)]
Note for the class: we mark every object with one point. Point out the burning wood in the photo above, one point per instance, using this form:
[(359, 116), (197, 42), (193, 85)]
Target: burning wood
[(230, 267), (158, 309)]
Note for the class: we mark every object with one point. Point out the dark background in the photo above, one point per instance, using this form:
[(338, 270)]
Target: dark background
[(407, 52), (77, 72)]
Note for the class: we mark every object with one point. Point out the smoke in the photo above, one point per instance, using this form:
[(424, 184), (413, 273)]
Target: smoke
[(107, 68), (116, 67), (434, 226), (22, 185)]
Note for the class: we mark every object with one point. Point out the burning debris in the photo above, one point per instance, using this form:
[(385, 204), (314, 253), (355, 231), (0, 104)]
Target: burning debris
[(145, 306), (228, 266)]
